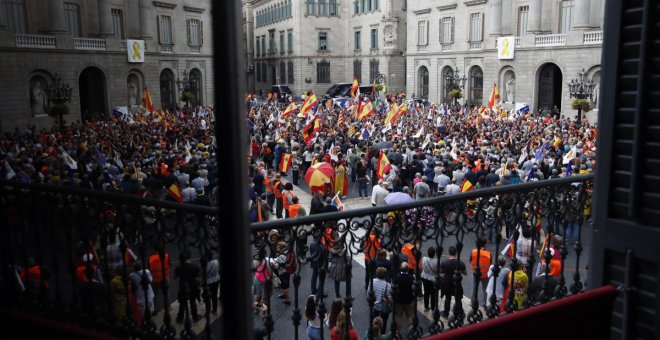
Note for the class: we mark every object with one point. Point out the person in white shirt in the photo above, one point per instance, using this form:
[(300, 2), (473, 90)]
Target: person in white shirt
[(379, 192)]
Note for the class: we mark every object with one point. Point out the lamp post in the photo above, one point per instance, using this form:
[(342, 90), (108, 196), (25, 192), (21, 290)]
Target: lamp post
[(58, 94), (187, 85), (455, 81), (581, 88)]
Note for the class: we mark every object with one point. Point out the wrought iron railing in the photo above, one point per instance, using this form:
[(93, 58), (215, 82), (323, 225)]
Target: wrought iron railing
[(57, 226)]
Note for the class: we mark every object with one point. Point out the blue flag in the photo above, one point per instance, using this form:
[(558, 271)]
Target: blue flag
[(539, 154), (569, 169), (365, 133), (532, 174), (524, 109), (101, 157)]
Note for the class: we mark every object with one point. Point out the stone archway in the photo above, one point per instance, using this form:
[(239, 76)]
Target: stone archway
[(446, 79), (476, 86), (195, 77), (168, 98), (423, 82), (550, 87), (92, 91)]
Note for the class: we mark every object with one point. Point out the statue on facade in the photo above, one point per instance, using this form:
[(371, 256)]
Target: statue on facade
[(390, 35), (132, 94), (594, 96), (511, 90), (39, 99)]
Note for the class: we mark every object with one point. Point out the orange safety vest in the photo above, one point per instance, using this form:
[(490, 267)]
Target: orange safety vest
[(484, 261), (293, 210), (555, 268), (277, 189), (156, 268), (371, 247), (33, 275), (412, 262), (81, 276), (327, 239), (285, 199), (269, 187)]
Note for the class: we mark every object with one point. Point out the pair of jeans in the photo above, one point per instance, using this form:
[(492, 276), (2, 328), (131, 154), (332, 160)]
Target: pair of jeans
[(213, 290), (430, 294), (313, 333), (337, 289), (295, 174), (572, 232), (362, 186), (353, 174), (279, 208)]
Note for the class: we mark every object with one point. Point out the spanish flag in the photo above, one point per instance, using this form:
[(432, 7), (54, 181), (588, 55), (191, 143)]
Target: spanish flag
[(367, 111), (354, 88), (291, 109), (310, 128), (285, 162), (175, 192), (308, 104), (391, 114), (384, 165), (466, 186), (403, 110), (146, 99), (494, 97)]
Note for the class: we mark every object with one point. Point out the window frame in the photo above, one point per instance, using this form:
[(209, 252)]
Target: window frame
[(282, 47), (122, 30), (323, 47), (290, 74), (67, 16), (443, 30), (479, 29), (20, 12), (374, 38), (357, 40), (523, 17), (357, 69), (289, 35), (322, 71), (200, 37), (161, 30), (422, 34)]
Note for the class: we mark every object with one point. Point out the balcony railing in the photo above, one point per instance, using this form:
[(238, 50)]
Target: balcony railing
[(34, 40), (593, 38), (475, 45), (166, 48), (447, 46), (92, 44), (73, 225), (550, 40)]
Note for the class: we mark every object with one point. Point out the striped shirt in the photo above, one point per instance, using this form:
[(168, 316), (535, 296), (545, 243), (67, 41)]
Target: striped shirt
[(381, 288)]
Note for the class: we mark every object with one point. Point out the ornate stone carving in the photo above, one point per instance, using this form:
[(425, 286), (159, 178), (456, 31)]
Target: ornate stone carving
[(390, 35)]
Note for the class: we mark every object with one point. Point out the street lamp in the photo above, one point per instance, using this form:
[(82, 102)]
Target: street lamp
[(187, 86), (581, 88), (58, 94), (455, 82)]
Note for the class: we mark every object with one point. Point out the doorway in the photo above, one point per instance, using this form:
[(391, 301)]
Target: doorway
[(550, 85), (91, 86)]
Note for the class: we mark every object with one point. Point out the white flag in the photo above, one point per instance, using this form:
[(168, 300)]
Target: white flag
[(73, 165), (570, 155), (10, 172), (419, 133), (523, 156), (333, 153), (387, 128), (118, 160)]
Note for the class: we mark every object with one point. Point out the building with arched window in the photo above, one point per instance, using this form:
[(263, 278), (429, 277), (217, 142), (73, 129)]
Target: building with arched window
[(85, 44), (544, 44)]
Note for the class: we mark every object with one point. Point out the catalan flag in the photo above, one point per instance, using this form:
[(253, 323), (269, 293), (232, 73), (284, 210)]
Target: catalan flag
[(354, 88), (308, 104), (384, 165), (403, 110), (367, 111), (494, 97), (351, 131), (340, 119), (466, 186), (175, 192), (146, 99), (290, 110), (285, 162)]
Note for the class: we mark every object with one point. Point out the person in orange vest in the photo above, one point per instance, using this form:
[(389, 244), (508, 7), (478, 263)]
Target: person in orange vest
[(410, 250), (287, 198), (278, 187), (32, 276), (87, 270), (270, 195), (481, 257), (296, 209), (370, 247), (160, 270)]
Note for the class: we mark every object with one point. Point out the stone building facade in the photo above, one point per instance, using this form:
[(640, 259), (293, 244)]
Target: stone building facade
[(313, 44), (552, 40), (83, 43)]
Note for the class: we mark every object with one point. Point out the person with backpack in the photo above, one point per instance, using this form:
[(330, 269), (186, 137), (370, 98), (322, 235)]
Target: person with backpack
[(286, 264), (261, 275)]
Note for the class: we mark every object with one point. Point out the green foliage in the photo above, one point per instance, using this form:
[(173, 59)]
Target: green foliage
[(584, 104), (456, 94), (187, 96)]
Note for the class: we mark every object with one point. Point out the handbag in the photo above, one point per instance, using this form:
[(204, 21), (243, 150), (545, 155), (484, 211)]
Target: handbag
[(386, 303)]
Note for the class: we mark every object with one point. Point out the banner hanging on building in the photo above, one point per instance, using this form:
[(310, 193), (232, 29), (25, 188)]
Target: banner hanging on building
[(506, 47), (135, 49)]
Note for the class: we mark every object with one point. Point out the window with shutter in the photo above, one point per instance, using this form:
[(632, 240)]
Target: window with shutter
[(16, 20)]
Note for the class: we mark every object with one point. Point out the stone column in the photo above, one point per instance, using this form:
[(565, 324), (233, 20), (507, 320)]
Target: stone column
[(582, 14), (390, 8), (105, 18), (133, 17), (495, 17), (56, 16), (146, 19), (534, 16)]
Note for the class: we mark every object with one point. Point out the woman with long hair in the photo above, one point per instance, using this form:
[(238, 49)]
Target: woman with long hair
[(335, 309), (337, 332), (314, 325)]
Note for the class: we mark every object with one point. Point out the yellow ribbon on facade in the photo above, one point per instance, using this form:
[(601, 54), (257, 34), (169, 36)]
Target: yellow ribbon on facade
[(506, 49), (136, 51)]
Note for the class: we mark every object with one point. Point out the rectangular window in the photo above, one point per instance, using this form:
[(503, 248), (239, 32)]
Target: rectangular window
[(374, 38), (263, 45), (358, 42), (194, 32), (357, 70), (258, 48), (475, 27), (118, 23), (323, 41), (422, 32), (258, 72), (322, 8), (447, 30), (72, 18), (165, 30), (310, 7), (333, 8), (290, 72), (356, 7), (323, 72), (373, 71), (282, 76), (566, 16), (368, 5), (522, 20), (363, 6), (271, 42), (290, 41), (282, 44), (16, 21), (376, 5)]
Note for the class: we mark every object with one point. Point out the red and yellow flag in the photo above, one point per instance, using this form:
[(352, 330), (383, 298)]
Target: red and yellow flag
[(310, 128), (494, 97), (341, 120), (466, 186), (354, 88), (390, 115), (290, 110), (367, 111), (285, 162), (146, 99), (308, 104), (175, 192), (384, 165), (403, 110)]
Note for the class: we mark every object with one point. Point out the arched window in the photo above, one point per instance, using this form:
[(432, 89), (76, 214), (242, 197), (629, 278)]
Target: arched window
[(423, 82), (447, 80), (197, 87), (476, 86), (167, 92)]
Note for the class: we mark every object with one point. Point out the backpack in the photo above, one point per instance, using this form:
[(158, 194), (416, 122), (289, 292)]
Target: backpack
[(262, 273)]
